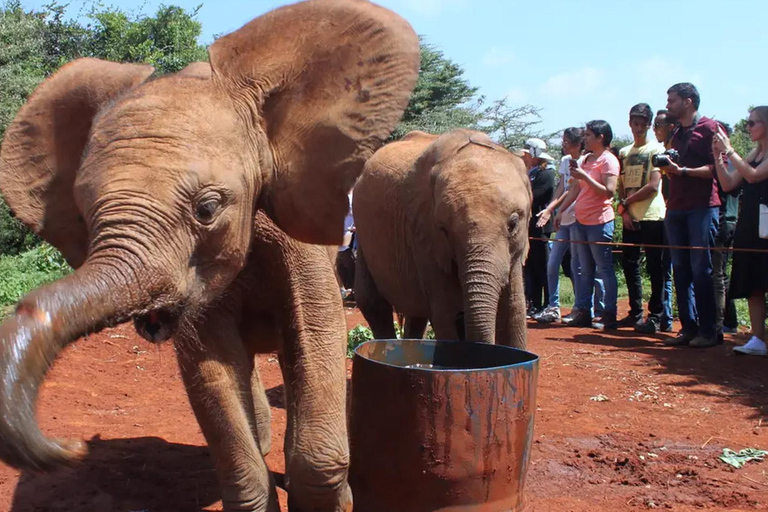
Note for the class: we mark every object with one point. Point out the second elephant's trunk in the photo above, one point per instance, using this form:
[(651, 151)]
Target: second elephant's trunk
[(45, 321), (482, 277)]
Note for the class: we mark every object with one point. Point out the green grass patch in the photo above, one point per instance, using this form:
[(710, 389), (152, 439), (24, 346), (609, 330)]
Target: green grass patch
[(24, 272)]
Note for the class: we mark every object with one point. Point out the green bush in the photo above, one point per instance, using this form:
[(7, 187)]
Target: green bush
[(15, 238), (29, 270), (357, 336), (360, 334)]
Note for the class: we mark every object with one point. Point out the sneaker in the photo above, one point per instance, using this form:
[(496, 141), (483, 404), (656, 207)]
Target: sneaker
[(567, 318), (548, 315), (667, 327), (754, 347), (631, 320), (680, 340), (606, 323), (580, 319), (650, 326), (705, 341), (531, 312)]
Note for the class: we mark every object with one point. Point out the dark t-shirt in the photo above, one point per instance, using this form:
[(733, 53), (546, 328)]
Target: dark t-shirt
[(543, 188), (687, 192)]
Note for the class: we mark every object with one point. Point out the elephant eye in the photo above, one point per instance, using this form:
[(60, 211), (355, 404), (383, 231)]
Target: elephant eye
[(513, 223), (206, 209)]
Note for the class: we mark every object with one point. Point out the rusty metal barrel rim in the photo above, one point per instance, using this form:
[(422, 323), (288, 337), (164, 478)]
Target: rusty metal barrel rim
[(443, 356)]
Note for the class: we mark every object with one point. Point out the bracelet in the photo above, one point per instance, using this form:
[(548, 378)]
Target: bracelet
[(730, 152)]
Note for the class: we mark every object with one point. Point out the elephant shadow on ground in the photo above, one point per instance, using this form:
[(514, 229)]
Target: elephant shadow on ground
[(138, 474), (276, 396)]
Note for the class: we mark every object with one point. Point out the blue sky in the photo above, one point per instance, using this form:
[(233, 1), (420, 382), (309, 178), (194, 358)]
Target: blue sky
[(576, 60)]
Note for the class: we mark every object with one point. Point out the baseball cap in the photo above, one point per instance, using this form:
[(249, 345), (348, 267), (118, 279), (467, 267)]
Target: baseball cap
[(537, 148)]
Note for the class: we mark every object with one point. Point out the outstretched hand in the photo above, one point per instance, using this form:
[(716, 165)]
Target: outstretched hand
[(544, 216)]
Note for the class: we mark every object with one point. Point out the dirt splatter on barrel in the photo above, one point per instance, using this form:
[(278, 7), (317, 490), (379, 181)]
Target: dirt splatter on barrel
[(441, 426)]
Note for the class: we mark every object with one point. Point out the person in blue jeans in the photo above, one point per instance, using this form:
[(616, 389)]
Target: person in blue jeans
[(596, 177), (663, 128), (692, 217), (573, 146)]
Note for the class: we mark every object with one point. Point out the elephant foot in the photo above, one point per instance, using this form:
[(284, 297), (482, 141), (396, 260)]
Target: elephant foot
[(338, 501), (259, 505)]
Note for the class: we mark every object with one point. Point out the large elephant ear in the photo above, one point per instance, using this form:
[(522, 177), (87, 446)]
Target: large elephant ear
[(328, 80), (42, 148)]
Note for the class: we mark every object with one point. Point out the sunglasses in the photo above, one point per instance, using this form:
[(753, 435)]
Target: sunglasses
[(751, 123)]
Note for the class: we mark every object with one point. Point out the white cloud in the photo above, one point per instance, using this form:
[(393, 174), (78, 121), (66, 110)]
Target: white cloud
[(497, 56), (572, 84)]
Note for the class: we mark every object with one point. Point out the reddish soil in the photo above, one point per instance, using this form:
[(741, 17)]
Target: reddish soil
[(654, 444)]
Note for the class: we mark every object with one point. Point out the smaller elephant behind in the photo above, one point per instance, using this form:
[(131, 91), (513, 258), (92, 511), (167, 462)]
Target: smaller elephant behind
[(442, 237)]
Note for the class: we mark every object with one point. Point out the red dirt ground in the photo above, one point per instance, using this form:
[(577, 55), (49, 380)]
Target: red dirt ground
[(653, 444)]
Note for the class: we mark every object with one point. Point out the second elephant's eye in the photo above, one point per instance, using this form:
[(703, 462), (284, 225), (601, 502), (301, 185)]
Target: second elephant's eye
[(513, 223), (206, 210)]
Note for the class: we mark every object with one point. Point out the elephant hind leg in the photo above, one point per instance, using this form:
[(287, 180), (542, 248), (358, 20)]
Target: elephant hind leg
[(414, 327), (375, 308)]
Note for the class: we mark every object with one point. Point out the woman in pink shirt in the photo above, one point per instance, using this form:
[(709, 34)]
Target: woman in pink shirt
[(596, 175)]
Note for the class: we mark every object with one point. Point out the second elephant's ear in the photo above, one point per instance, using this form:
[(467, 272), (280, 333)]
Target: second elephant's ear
[(327, 80), (42, 148), (196, 70)]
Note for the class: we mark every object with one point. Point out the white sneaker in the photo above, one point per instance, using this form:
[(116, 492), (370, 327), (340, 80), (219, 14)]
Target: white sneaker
[(754, 347), (549, 315)]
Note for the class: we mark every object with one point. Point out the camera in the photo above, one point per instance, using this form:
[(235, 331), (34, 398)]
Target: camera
[(664, 159)]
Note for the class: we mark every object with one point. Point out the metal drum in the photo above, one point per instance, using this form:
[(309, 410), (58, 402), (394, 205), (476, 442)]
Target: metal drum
[(440, 425)]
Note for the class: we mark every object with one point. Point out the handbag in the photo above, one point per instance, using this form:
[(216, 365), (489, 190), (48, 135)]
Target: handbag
[(762, 222)]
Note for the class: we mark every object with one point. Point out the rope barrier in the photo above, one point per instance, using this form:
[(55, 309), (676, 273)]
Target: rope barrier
[(652, 246)]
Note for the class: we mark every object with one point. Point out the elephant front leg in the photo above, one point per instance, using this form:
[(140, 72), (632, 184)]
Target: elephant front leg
[(414, 327), (216, 372), (316, 446)]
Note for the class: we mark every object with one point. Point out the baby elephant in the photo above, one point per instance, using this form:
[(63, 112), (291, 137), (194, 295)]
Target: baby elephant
[(442, 226)]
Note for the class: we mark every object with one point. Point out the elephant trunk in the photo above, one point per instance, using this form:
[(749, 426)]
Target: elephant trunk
[(482, 278), (510, 326), (45, 321)]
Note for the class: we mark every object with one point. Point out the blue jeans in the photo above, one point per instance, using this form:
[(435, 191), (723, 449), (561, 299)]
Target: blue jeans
[(666, 294), (595, 259), (556, 255), (694, 228)]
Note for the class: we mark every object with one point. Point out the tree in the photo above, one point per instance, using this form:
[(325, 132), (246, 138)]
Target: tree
[(740, 139), (167, 41), (442, 98), (34, 44), (511, 126), (21, 62)]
